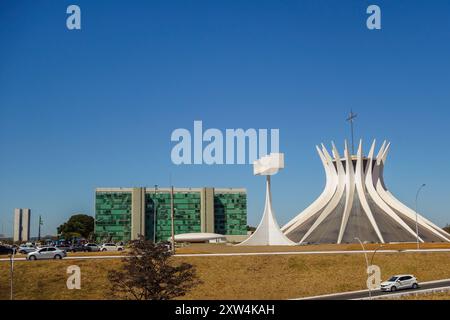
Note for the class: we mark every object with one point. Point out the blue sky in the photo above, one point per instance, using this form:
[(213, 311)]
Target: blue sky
[(96, 107)]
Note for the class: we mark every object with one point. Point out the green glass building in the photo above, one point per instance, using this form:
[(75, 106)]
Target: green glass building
[(122, 214)]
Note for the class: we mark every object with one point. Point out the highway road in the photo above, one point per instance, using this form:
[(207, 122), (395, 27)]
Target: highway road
[(359, 295)]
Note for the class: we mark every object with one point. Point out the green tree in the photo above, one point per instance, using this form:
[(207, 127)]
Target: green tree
[(447, 228), (149, 274), (79, 225)]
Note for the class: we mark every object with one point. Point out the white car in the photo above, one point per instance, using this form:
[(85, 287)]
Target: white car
[(110, 247), (399, 283), (91, 247), (26, 249), (46, 253)]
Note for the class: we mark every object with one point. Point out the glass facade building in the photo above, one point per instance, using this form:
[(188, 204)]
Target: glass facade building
[(123, 215)]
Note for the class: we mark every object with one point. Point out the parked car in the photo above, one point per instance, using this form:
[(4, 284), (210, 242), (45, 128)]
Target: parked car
[(111, 247), (91, 247), (76, 248), (64, 247), (6, 250), (47, 253), (400, 283), (26, 249)]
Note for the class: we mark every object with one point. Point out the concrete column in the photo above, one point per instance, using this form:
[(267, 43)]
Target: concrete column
[(17, 225), (207, 210), (26, 217), (137, 213)]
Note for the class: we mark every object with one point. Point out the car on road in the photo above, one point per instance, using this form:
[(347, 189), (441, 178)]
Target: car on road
[(110, 247), (5, 250), (400, 282), (47, 253), (91, 247)]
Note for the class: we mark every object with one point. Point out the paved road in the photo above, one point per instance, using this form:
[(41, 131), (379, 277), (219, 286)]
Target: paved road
[(358, 295), (255, 254)]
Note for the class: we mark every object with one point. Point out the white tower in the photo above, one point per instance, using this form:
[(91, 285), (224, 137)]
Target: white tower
[(268, 232), (357, 203), (22, 225)]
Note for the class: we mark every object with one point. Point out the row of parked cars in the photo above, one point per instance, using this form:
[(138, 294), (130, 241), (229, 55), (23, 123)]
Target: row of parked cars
[(57, 252), (88, 247)]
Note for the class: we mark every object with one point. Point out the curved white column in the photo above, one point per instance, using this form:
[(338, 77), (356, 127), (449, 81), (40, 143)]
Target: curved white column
[(324, 198), (374, 194), (393, 202), (336, 197), (362, 195), (350, 192)]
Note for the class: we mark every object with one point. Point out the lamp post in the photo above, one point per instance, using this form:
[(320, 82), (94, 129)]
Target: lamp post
[(154, 214), (367, 262), (376, 250), (417, 215), (40, 224), (172, 218), (11, 259)]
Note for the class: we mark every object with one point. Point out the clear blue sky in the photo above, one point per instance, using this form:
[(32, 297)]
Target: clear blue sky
[(96, 107)]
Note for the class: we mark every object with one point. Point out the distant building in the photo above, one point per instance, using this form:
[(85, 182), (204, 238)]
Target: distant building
[(22, 225), (122, 214)]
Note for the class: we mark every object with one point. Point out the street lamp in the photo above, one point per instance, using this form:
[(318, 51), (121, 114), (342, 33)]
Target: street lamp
[(376, 250), (41, 223), (154, 215), (367, 262), (11, 259), (417, 215), (172, 220)]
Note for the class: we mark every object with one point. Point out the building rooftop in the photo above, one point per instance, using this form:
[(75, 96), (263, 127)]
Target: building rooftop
[(152, 189)]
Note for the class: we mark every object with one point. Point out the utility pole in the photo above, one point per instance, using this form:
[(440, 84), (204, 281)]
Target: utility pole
[(11, 259), (172, 220), (154, 215), (40, 224), (351, 119)]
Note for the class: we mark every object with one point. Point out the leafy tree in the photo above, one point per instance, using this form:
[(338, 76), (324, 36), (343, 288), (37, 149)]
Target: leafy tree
[(447, 228), (149, 274), (79, 225)]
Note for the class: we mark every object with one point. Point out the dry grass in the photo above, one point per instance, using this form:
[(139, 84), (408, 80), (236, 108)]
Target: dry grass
[(246, 277), (47, 279), (223, 248), (286, 277)]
